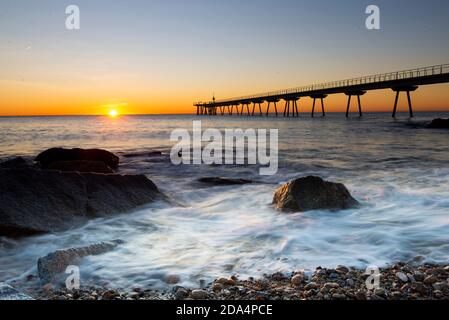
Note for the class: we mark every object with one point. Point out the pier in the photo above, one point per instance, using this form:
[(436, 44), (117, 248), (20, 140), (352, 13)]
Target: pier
[(405, 82)]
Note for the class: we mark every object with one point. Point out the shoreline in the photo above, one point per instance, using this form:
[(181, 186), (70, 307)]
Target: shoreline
[(401, 281)]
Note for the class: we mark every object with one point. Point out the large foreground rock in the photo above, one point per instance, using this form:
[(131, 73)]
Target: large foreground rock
[(439, 124), (50, 156), (56, 263), (18, 162), (81, 166), (313, 193), (9, 293), (34, 201)]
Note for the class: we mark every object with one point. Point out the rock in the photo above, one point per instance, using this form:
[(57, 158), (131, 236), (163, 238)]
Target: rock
[(430, 280), (342, 269), (419, 276), (226, 282), (439, 124), (34, 201), (313, 193), (180, 293), (14, 163), (110, 295), (360, 295), (311, 286), (217, 287), (55, 263), (339, 296), (381, 293), (440, 286), (217, 181), (50, 156), (350, 282), (80, 166), (9, 293), (297, 280), (198, 295), (328, 286), (172, 279), (402, 276)]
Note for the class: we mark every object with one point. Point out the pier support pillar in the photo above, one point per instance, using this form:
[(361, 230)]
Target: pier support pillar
[(407, 89), (320, 97), (291, 103), (275, 107), (350, 94), (254, 107)]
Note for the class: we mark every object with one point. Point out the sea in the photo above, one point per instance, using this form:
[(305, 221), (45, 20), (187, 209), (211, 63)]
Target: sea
[(396, 168)]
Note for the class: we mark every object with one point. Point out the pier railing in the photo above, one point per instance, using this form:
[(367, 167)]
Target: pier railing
[(391, 76)]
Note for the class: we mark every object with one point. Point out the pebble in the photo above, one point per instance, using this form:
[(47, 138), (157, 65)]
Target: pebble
[(419, 276), (381, 293), (198, 294), (397, 284), (181, 293), (342, 269), (350, 282), (217, 287), (311, 286), (225, 282), (297, 279), (430, 280), (439, 286), (328, 286), (360, 295), (402, 276), (339, 296)]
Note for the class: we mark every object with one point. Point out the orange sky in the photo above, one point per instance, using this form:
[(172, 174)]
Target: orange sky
[(21, 98)]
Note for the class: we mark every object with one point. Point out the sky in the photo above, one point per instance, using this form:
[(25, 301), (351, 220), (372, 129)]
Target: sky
[(160, 56)]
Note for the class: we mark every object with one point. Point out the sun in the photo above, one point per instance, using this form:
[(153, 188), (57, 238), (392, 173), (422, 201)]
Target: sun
[(113, 113)]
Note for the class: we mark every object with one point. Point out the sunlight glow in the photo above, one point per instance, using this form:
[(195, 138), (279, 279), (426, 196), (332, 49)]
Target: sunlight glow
[(113, 113)]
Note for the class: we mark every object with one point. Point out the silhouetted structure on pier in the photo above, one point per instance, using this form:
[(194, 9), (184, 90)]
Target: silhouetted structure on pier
[(402, 81)]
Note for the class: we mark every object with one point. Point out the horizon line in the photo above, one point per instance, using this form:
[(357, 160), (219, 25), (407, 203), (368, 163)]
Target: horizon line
[(184, 114)]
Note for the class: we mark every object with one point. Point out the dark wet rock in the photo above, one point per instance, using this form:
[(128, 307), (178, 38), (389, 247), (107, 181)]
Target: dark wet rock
[(9, 293), (439, 124), (55, 263), (80, 166), (50, 156), (217, 181), (18, 162), (34, 201), (313, 193), (172, 279)]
